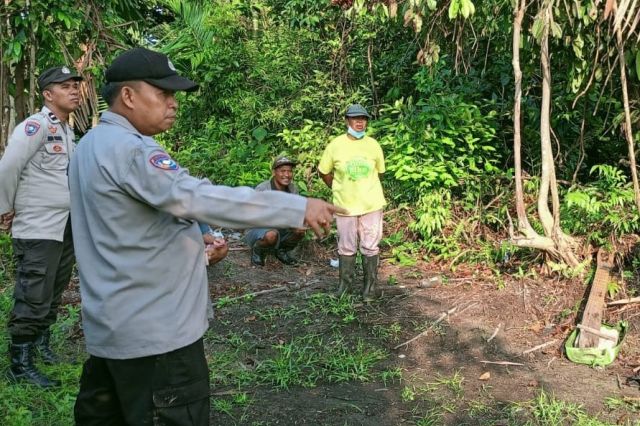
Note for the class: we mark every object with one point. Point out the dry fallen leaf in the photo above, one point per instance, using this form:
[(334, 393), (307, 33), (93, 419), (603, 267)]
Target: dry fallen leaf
[(536, 327), (250, 318), (485, 376)]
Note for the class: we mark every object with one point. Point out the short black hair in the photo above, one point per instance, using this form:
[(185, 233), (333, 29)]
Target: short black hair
[(111, 90)]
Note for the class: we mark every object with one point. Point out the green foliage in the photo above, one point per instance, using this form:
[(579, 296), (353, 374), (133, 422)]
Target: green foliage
[(6, 257), (444, 142), (433, 211), (276, 75), (613, 287), (603, 209), (464, 8)]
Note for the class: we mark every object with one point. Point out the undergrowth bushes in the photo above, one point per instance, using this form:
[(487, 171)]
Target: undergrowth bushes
[(274, 84)]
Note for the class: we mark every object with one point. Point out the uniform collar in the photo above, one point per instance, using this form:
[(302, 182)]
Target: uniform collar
[(110, 117), (50, 115)]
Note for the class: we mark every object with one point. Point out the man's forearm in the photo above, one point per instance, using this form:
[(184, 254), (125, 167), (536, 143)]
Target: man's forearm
[(328, 179)]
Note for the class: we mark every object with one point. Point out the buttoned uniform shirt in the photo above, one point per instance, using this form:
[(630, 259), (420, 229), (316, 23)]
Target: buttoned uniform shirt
[(135, 216), (33, 177)]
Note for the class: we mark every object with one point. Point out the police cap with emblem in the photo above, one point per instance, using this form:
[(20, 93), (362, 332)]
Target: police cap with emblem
[(148, 66), (56, 75)]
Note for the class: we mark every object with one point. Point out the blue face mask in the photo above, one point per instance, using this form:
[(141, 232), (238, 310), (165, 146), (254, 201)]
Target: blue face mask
[(356, 134)]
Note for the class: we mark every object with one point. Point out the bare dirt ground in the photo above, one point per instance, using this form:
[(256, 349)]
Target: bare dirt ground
[(444, 380)]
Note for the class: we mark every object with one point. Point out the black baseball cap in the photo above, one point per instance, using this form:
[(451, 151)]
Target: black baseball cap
[(56, 75), (283, 161), (146, 65)]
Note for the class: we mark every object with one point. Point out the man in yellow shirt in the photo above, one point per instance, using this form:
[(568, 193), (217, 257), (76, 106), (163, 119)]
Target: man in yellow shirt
[(351, 166)]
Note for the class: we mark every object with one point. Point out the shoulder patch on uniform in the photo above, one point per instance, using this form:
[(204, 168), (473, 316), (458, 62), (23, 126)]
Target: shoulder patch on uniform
[(163, 161), (31, 127), (53, 118)]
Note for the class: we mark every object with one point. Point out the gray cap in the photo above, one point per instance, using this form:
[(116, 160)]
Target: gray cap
[(356, 110)]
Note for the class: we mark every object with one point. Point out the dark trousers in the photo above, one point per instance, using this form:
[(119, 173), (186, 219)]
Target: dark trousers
[(43, 271), (167, 389)]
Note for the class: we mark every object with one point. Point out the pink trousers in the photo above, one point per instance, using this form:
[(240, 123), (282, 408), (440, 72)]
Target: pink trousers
[(365, 229)]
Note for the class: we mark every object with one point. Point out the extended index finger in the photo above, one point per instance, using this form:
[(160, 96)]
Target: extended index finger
[(339, 210)]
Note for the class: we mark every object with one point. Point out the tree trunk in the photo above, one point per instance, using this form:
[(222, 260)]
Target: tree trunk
[(32, 74), (564, 244), (20, 97), (554, 242), (4, 101), (524, 226), (546, 218), (628, 130)]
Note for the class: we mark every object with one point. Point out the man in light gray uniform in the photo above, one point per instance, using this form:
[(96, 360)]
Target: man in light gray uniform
[(140, 252), (33, 186)]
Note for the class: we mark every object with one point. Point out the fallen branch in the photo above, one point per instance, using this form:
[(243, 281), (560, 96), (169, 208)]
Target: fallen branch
[(597, 333), (294, 286), (495, 333), (501, 362), (624, 301), (424, 333), (618, 381), (258, 293), (229, 392), (470, 305), (542, 346)]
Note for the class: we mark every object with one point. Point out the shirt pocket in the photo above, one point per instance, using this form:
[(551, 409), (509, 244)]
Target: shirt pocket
[(54, 156)]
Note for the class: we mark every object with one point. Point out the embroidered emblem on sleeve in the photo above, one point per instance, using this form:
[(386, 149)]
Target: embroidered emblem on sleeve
[(163, 161), (31, 128)]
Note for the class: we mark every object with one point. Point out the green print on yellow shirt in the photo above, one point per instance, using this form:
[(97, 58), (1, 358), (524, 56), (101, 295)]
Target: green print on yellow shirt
[(358, 168)]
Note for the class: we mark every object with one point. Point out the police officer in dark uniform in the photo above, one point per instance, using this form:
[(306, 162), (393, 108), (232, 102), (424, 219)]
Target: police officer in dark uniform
[(34, 192)]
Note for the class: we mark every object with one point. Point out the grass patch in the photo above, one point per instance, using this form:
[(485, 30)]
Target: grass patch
[(226, 301), (278, 312), (306, 360), (23, 404), (332, 306), (549, 411), (389, 333)]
